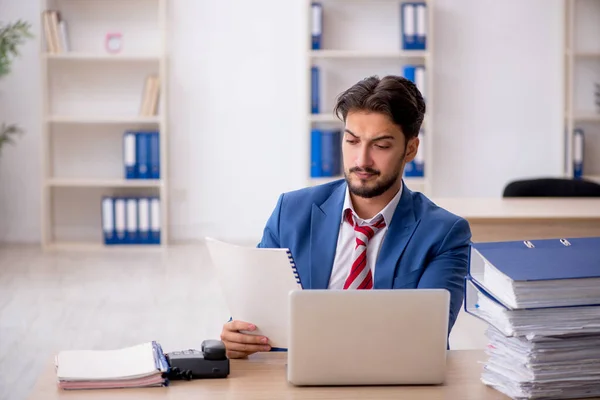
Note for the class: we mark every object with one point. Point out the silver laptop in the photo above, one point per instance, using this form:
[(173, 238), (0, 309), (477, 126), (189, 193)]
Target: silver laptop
[(368, 337)]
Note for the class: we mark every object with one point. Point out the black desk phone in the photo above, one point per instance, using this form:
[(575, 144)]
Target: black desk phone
[(209, 363)]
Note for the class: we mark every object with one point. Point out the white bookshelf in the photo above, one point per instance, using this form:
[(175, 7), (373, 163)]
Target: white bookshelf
[(90, 97), (582, 71), (363, 38)]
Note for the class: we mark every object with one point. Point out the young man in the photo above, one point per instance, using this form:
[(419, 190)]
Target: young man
[(368, 231)]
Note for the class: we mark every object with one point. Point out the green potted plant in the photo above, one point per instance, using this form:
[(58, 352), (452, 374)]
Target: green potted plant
[(12, 35)]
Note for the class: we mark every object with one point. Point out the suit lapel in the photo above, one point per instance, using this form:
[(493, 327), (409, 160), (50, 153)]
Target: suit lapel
[(399, 232), (324, 229)]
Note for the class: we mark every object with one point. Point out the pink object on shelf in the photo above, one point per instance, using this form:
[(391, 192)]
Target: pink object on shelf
[(114, 42)]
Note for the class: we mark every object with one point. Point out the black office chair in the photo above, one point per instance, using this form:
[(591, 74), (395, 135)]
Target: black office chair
[(552, 187)]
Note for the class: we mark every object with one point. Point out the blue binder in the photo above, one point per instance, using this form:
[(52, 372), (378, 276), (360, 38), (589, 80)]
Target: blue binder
[(317, 25), (331, 152), (120, 220), (143, 155), (421, 25), (562, 264), (154, 155), (144, 220), (315, 85), (129, 155), (316, 170), (578, 149), (414, 25), (132, 227), (155, 225), (108, 221), (409, 72)]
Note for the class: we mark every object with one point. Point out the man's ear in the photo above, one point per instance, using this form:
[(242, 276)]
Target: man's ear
[(411, 149)]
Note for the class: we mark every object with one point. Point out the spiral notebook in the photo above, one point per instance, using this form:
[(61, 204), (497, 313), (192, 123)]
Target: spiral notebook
[(256, 283)]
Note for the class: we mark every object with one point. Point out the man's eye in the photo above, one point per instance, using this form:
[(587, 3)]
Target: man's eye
[(382, 146), (351, 141)]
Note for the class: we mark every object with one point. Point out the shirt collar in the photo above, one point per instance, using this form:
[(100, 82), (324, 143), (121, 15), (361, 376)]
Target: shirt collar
[(387, 212)]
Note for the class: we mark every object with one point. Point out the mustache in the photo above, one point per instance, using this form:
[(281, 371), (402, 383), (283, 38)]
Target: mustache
[(366, 170)]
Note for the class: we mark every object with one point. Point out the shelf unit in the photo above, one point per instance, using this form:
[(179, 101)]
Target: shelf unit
[(361, 38), (582, 71), (90, 97)]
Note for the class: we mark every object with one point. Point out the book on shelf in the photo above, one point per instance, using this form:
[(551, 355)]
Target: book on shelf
[(413, 16), (541, 301), (141, 154), (150, 97), (578, 150), (55, 32), (131, 220), (416, 167), (326, 153), (316, 25)]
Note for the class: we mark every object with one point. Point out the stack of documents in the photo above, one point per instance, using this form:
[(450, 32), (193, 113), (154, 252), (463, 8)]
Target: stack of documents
[(144, 365), (541, 300)]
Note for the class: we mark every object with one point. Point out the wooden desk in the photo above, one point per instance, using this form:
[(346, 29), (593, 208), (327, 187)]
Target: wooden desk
[(263, 376), (500, 219)]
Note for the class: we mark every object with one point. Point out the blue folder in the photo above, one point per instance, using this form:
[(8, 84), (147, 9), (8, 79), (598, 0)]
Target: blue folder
[(564, 262), (578, 147), (316, 25)]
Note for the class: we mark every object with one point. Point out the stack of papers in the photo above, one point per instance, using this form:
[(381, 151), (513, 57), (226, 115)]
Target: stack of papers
[(543, 367), (144, 365), (541, 300)]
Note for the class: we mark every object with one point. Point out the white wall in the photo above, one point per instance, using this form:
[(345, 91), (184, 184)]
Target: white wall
[(498, 93)]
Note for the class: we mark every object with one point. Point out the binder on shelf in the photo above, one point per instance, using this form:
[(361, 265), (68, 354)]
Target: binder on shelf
[(129, 154), (131, 233), (133, 220), (315, 86), (421, 25), (155, 224), (326, 155), (317, 25), (414, 25), (154, 156), (142, 155), (416, 167), (416, 74), (535, 274), (578, 148), (120, 220), (108, 221), (144, 220)]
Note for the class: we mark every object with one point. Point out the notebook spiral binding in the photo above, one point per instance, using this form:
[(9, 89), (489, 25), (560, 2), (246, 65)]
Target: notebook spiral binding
[(293, 265)]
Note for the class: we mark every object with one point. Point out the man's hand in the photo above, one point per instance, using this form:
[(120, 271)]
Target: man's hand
[(240, 345)]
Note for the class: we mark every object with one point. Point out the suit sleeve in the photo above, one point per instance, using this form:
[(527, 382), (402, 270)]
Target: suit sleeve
[(449, 267), (270, 238)]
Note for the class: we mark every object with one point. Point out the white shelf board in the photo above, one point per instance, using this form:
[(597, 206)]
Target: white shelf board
[(594, 178), (101, 57), (98, 246), (586, 117), (584, 54), (62, 119), (104, 183), (368, 54)]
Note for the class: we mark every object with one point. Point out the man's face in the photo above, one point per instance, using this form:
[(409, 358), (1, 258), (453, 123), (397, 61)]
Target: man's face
[(374, 153)]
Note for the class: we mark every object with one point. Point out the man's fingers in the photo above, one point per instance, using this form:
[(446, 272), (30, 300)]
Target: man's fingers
[(241, 326), (245, 338), (247, 348)]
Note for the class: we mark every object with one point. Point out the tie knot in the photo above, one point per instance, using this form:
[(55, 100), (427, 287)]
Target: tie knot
[(366, 231)]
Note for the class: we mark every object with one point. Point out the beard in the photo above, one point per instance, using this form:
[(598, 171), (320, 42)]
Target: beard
[(373, 189)]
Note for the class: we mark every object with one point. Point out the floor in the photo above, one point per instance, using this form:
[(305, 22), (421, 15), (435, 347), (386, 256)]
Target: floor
[(101, 300)]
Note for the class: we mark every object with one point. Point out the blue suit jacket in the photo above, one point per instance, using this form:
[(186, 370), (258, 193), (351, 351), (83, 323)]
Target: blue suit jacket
[(425, 245)]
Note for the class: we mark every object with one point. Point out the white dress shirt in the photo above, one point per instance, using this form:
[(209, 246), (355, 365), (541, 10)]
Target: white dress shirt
[(346, 241)]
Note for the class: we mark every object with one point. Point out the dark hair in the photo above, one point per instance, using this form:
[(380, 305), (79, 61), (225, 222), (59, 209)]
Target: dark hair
[(394, 96)]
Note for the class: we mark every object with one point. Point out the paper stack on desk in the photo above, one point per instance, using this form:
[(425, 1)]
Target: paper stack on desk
[(144, 365), (541, 300)]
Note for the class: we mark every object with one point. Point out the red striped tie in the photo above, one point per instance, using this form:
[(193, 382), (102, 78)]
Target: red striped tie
[(360, 276)]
